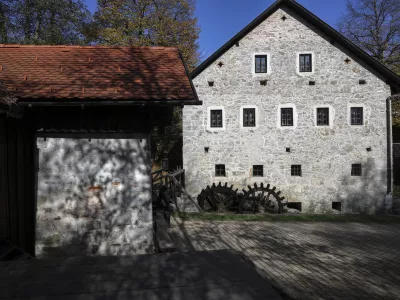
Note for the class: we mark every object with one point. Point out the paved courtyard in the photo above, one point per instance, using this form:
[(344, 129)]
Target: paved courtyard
[(308, 260)]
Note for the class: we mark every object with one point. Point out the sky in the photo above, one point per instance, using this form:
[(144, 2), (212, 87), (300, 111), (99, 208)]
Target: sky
[(219, 20)]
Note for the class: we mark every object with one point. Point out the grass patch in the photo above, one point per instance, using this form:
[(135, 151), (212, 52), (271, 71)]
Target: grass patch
[(288, 218)]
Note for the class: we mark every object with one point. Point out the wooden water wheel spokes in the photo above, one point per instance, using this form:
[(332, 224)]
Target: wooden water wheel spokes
[(219, 198), (259, 199)]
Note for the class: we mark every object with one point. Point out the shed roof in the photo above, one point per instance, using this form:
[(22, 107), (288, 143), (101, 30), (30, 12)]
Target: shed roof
[(95, 73)]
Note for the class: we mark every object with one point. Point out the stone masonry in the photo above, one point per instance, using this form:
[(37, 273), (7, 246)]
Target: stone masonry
[(93, 197), (325, 153)]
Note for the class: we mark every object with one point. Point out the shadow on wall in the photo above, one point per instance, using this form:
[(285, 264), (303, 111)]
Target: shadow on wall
[(93, 197), (364, 194)]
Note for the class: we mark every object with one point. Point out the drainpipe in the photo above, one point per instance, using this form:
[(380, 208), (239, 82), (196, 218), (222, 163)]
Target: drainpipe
[(389, 145)]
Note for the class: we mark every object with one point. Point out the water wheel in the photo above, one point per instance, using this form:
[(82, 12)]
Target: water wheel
[(219, 198), (260, 199)]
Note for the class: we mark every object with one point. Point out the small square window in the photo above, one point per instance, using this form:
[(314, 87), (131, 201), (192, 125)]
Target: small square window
[(258, 171), (249, 117), (216, 118), (305, 63), (357, 115), (261, 64), (220, 171), (323, 116), (287, 116), (296, 170), (356, 170)]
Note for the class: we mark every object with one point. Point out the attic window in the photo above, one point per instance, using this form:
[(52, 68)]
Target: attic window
[(305, 62), (261, 63), (356, 170), (296, 170)]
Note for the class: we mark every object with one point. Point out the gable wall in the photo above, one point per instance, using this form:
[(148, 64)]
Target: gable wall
[(326, 154)]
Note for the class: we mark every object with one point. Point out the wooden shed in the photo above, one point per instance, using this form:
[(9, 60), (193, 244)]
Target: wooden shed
[(75, 171)]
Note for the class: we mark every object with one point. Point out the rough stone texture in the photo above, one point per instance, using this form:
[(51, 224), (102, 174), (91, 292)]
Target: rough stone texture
[(326, 154), (93, 197), (308, 261)]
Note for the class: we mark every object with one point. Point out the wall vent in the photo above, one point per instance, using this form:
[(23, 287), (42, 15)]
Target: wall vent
[(311, 82), (211, 83), (362, 81)]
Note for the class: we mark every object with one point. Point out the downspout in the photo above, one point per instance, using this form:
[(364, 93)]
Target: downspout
[(389, 145)]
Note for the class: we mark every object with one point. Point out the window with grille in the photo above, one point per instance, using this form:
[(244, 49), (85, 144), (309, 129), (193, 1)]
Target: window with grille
[(356, 115), (249, 117), (305, 63), (261, 64), (323, 116), (287, 116), (216, 118), (356, 170), (296, 170), (258, 171), (220, 170)]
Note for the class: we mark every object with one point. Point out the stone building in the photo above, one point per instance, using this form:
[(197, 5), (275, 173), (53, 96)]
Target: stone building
[(291, 102)]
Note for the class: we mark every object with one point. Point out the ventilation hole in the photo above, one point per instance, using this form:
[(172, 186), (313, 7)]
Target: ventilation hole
[(263, 82), (347, 60), (333, 42), (369, 149), (337, 206), (220, 64), (237, 44), (211, 83), (294, 205), (206, 149), (311, 83), (362, 81), (287, 149), (284, 18)]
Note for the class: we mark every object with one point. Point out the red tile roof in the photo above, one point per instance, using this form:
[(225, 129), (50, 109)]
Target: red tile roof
[(84, 73)]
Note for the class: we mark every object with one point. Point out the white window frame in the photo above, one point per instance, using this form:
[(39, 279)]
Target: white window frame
[(295, 116), (331, 115), (268, 64), (312, 63), (241, 117), (209, 109), (349, 106)]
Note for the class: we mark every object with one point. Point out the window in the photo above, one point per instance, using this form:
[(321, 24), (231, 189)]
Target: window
[(296, 170), (216, 118), (356, 116), (356, 170), (305, 64), (287, 116), (323, 116), (258, 171), (220, 170), (261, 64), (249, 117)]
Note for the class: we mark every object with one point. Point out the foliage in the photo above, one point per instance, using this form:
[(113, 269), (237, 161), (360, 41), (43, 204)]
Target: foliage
[(148, 23), (52, 22), (374, 25)]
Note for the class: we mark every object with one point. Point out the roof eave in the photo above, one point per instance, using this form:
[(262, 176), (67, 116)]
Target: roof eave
[(92, 103)]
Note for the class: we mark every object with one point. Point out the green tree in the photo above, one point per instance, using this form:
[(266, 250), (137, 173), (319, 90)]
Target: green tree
[(53, 22), (168, 23)]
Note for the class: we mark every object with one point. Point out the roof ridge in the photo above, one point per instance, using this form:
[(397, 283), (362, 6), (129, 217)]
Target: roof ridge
[(88, 47)]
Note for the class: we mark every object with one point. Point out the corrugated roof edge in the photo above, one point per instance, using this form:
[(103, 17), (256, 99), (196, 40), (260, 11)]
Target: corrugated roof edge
[(88, 47), (313, 19)]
